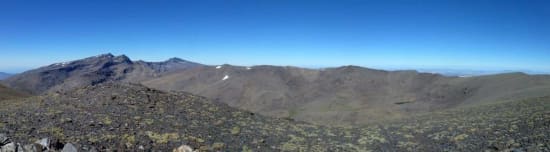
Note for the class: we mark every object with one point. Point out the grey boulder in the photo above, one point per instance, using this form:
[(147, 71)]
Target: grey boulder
[(69, 148)]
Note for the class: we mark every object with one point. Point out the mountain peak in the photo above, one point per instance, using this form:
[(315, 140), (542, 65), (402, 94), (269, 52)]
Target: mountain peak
[(122, 58), (109, 55), (175, 59), (100, 56)]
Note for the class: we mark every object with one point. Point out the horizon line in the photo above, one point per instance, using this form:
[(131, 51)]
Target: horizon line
[(440, 69)]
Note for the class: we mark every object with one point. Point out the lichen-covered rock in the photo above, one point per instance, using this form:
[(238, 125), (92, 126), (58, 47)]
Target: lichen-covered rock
[(218, 146)]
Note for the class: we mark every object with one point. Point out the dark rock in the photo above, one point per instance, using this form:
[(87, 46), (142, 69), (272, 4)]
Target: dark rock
[(57, 145)]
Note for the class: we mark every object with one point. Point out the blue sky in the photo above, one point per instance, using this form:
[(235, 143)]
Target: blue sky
[(480, 34)]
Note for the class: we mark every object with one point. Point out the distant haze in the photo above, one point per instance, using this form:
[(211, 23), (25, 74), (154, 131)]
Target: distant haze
[(4, 75)]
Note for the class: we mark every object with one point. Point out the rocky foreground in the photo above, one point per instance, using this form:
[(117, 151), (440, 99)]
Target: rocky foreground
[(127, 117)]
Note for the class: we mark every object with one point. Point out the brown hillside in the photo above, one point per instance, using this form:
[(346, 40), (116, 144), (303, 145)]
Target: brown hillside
[(346, 95), (7, 93)]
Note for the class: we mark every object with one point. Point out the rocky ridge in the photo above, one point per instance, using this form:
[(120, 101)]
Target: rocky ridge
[(92, 70)]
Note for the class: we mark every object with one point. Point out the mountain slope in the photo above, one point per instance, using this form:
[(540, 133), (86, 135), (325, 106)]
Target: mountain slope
[(124, 117), (92, 70), (346, 95), (127, 117), (7, 93), (333, 96)]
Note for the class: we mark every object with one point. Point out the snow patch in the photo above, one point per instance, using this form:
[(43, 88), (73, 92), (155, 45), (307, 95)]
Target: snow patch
[(225, 77), (218, 67), (61, 64)]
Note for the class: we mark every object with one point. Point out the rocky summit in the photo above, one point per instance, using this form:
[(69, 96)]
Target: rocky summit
[(131, 117), (92, 70)]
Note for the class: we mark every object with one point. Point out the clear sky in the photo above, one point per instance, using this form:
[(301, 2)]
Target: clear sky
[(479, 34)]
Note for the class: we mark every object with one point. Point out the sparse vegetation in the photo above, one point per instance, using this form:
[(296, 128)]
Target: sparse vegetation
[(515, 125)]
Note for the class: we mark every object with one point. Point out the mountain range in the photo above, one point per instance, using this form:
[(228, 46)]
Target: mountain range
[(92, 70), (340, 96), (112, 103)]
